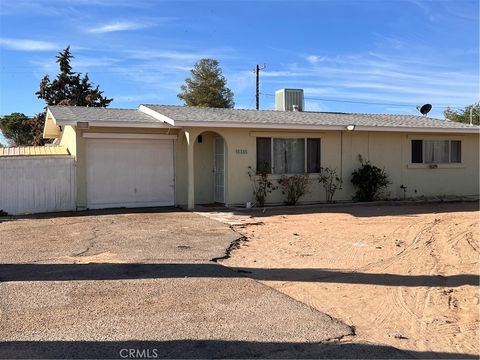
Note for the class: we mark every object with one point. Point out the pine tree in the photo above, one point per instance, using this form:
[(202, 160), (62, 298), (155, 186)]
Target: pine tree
[(69, 87), (207, 86)]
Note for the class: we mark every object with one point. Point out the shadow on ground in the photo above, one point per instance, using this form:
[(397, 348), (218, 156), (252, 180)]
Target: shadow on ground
[(388, 208), (99, 212), (93, 271), (192, 349)]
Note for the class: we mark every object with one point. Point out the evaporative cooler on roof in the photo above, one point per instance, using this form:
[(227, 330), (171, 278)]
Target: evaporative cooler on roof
[(289, 100)]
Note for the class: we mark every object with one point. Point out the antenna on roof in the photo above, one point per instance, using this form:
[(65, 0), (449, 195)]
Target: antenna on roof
[(424, 109)]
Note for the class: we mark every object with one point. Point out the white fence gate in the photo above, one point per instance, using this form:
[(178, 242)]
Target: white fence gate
[(35, 184)]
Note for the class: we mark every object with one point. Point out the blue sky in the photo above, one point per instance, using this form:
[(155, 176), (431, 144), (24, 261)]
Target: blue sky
[(397, 53)]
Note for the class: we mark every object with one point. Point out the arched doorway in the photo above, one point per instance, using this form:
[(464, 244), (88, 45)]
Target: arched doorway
[(210, 168)]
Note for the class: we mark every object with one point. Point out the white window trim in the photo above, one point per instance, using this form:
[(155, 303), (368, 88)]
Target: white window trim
[(446, 165)]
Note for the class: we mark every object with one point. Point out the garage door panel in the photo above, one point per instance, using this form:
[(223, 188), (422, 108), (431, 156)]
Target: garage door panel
[(129, 172)]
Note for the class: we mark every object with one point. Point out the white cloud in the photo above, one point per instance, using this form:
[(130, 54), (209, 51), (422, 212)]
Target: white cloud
[(388, 78), (120, 26), (28, 44), (313, 59)]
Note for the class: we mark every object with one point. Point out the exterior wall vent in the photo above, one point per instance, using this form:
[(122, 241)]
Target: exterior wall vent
[(289, 100)]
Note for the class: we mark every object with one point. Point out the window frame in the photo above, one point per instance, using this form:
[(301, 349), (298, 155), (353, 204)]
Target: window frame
[(305, 149), (424, 163)]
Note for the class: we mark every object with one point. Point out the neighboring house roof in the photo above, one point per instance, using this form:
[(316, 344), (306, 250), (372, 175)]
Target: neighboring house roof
[(72, 114), (33, 151), (183, 115)]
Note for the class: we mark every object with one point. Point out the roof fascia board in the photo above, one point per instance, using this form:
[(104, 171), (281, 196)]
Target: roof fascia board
[(323, 127), (120, 124), (156, 115), (417, 129), (223, 124), (102, 135)]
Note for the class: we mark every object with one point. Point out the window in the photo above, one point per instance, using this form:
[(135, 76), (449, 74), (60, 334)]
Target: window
[(288, 156), (264, 154), (436, 151), (455, 151), (313, 155), (417, 151)]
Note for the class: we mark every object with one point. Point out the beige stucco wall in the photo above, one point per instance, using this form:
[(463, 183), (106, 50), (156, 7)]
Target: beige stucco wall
[(73, 139), (339, 150)]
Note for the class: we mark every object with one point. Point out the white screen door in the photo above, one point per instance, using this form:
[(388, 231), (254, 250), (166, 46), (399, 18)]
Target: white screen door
[(219, 172)]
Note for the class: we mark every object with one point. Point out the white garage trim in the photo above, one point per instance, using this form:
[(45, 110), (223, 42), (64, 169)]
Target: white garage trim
[(130, 172), (97, 135)]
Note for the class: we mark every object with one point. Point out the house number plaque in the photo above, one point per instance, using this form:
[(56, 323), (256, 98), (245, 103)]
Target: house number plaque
[(241, 151)]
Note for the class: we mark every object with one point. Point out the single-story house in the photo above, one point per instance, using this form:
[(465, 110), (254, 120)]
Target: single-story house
[(159, 155)]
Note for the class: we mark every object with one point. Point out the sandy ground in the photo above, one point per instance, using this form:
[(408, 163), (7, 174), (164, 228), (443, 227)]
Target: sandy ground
[(87, 285), (405, 276)]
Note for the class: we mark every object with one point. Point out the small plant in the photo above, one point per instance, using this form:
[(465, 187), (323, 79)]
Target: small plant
[(331, 182), (368, 180), (262, 186), (294, 187)]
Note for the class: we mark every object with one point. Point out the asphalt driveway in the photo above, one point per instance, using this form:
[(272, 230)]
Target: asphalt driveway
[(142, 284)]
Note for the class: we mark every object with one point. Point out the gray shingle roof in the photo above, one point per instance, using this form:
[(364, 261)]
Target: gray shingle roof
[(246, 117), (242, 117), (93, 114)]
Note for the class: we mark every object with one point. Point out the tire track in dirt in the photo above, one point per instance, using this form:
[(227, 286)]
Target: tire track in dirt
[(429, 316)]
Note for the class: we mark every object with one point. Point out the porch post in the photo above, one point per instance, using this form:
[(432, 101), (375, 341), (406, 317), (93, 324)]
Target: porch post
[(190, 170)]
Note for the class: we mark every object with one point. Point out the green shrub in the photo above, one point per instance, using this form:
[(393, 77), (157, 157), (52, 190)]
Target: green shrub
[(331, 182), (294, 187), (368, 181), (262, 186)]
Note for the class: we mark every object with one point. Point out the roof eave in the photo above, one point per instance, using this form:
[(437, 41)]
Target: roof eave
[(117, 124), (222, 124)]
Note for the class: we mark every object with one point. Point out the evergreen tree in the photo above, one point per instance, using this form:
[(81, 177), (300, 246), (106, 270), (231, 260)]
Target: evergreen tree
[(69, 87), (20, 130), (207, 86)]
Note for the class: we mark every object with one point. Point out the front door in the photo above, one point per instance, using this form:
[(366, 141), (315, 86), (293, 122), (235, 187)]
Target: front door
[(219, 171)]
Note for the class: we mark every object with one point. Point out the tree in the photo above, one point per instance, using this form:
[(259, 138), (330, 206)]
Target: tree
[(463, 116), (36, 124), (207, 86), (69, 87), (19, 130)]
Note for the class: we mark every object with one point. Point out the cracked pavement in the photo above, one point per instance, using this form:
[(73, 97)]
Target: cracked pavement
[(88, 285)]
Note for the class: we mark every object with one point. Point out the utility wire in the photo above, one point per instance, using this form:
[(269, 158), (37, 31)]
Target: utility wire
[(442, 106)]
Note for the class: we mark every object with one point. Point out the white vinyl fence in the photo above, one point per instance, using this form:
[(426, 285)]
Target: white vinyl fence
[(35, 184)]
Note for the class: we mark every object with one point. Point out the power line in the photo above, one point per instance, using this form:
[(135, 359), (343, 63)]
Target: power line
[(443, 106)]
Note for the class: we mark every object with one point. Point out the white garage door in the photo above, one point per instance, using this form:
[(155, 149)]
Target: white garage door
[(129, 173)]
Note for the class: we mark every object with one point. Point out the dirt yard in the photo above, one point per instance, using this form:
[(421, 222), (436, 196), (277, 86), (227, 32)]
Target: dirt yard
[(405, 276)]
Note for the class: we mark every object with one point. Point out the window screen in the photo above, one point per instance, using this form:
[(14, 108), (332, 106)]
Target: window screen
[(288, 156), (264, 154), (313, 155), (436, 151), (417, 151), (455, 151)]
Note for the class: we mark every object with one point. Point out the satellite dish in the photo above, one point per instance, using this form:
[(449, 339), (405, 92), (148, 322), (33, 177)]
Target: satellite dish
[(425, 109)]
